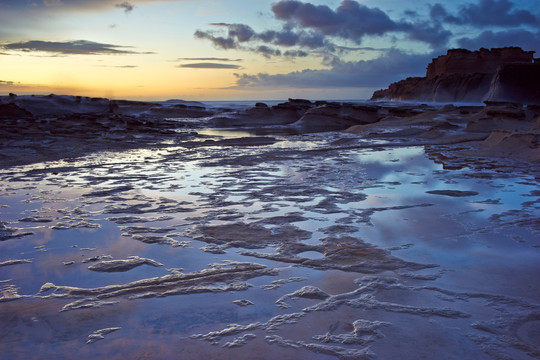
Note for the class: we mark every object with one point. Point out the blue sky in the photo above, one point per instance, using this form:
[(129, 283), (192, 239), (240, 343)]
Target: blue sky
[(243, 49)]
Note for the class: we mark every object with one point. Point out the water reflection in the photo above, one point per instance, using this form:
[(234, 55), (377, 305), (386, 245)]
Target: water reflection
[(348, 236)]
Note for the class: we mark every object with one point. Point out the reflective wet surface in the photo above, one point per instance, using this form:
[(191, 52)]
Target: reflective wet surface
[(312, 247)]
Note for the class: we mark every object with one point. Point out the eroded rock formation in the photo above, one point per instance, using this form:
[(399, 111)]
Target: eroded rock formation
[(499, 74), (458, 61)]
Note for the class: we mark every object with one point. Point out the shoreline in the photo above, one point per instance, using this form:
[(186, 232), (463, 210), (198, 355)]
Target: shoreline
[(54, 127)]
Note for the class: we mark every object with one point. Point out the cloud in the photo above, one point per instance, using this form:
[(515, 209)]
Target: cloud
[(267, 51), (218, 41), (295, 53), (496, 12), (525, 39), (315, 27), (500, 13), (239, 35), (241, 32), (429, 33), (209, 59), (209, 65), (353, 21), (350, 20), (306, 26), (287, 37), (438, 12), (377, 73), (126, 6), (6, 83), (76, 47), (243, 37)]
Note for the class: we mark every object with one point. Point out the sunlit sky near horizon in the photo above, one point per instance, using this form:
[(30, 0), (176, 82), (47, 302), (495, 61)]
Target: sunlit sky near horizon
[(243, 49)]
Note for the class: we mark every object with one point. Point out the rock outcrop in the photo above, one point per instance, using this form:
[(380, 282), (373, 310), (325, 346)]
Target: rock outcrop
[(45, 106), (500, 74), (30, 131), (335, 116), (263, 115), (300, 116), (484, 61), (444, 88)]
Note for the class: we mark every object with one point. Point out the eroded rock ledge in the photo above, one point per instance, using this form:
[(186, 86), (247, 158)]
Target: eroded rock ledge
[(30, 133)]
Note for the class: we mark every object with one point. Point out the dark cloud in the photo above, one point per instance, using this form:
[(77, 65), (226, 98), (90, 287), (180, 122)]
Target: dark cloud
[(306, 26), (267, 51), (377, 73), (497, 12), (77, 47), (429, 33), (208, 65), (243, 37), (126, 6), (438, 12), (287, 37), (237, 34), (315, 27), (295, 53), (240, 32), (283, 38), (209, 59), (6, 83), (525, 39), (411, 13), (350, 20), (218, 41), (501, 13)]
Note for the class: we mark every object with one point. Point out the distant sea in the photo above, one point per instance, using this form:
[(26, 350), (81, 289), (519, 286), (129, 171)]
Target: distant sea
[(244, 104)]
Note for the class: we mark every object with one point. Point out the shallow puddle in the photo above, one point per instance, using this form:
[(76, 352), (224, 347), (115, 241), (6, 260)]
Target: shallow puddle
[(297, 249)]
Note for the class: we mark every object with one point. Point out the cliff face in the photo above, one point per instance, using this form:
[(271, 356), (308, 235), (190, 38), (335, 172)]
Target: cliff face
[(442, 88), (516, 83), (502, 74), (484, 61)]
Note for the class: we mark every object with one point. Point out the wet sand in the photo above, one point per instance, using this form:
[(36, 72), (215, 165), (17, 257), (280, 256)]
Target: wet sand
[(311, 245)]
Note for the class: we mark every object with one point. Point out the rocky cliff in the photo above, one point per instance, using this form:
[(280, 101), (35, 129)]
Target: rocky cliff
[(484, 61), (517, 83), (501, 74)]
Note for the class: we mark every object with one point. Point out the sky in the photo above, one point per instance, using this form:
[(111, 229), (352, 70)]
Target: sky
[(243, 49)]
